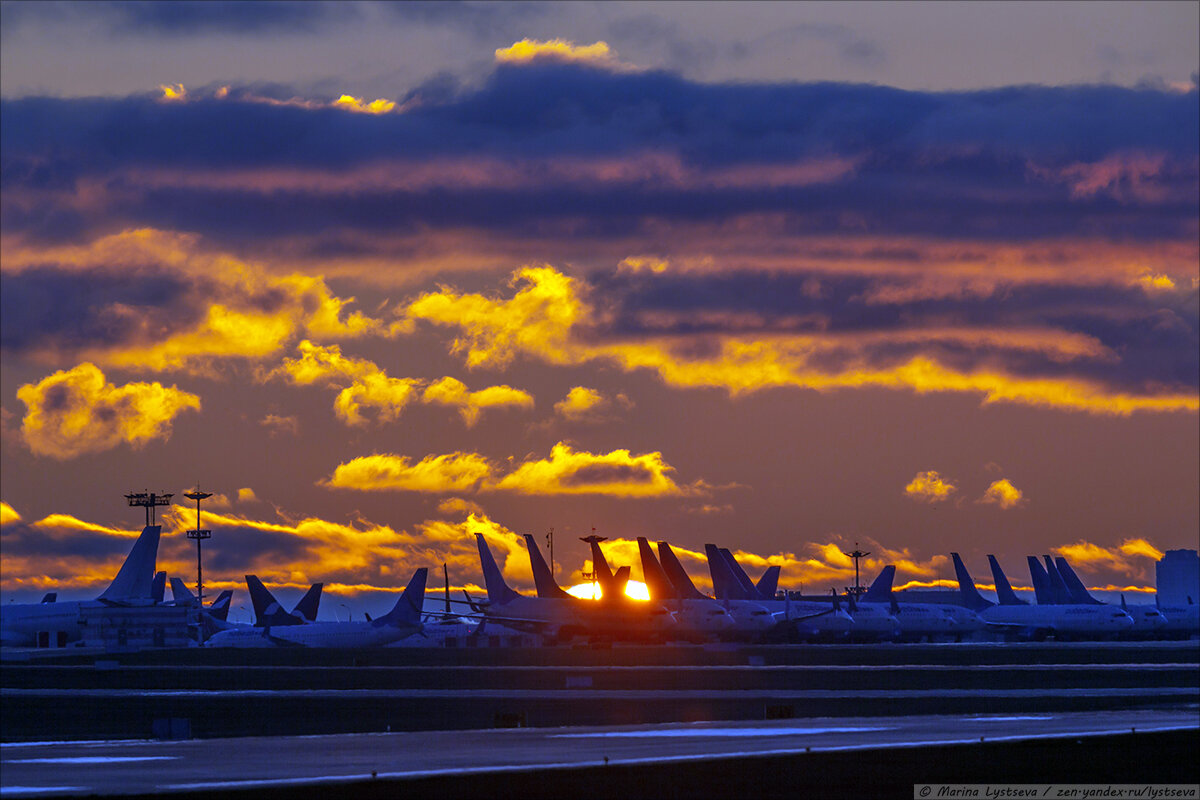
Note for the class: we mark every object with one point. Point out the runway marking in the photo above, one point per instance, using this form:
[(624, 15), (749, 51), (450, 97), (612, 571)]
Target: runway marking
[(39, 789), (89, 759), (712, 732)]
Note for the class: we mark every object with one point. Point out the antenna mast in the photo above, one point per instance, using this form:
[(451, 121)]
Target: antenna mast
[(856, 555)]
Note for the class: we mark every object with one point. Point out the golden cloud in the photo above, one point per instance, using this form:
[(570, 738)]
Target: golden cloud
[(388, 396), (547, 318), (276, 425), (453, 472), (569, 472), (78, 411), (529, 50), (580, 403), (454, 393), (929, 487), (455, 506), (1003, 494), (246, 495), (357, 104), (1122, 559), (8, 514)]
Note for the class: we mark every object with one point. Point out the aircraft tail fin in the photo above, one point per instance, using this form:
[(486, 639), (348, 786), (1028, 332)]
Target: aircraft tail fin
[(741, 579), (158, 587), (267, 611), (49, 597), (600, 568), (657, 583), (972, 599), (407, 610), (1079, 592), (180, 593), (308, 605), (543, 578), (880, 590), (220, 606), (722, 580), (1004, 590), (498, 591), (768, 584), (1042, 593), (677, 575), (135, 579), (1058, 586)]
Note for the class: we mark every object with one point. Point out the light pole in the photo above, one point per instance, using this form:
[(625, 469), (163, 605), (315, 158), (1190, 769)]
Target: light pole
[(198, 535), (856, 555)]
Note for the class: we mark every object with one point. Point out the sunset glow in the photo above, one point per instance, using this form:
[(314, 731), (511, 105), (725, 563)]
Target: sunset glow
[(634, 590)]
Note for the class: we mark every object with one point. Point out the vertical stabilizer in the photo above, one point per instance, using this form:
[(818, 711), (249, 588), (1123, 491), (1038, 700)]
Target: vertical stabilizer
[(180, 594), (1004, 592), (158, 587), (880, 590), (267, 611), (677, 575), (741, 579), (407, 611), (972, 599), (1079, 592), (543, 579), (657, 584), (611, 586), (1058, 587), (135, 578), (308, 605), (498, 591), (724, 584), (768, 584), (1042, 593), (220, 606)]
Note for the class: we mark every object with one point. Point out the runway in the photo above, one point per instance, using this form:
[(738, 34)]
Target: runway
[(500, 757)]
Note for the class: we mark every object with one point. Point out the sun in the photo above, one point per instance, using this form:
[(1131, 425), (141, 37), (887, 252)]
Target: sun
[(635, 590)]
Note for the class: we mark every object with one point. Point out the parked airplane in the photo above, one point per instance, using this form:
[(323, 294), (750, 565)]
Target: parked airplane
[(218, 609), (268, 611), (57, 624), (1148, 620), (803, 618), (1038, 621), (698, 617), (403, 620), (614, 614), (918, 620)]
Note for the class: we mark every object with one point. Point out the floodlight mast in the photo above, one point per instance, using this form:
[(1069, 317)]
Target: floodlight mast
[(856, 555), (149, 500), (593, 539), (198, 534)]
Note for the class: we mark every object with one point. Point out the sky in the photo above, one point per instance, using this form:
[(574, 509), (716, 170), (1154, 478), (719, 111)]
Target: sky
[(788, 278)]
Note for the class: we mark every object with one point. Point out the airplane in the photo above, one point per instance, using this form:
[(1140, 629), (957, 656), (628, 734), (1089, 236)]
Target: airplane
[(695, 617), (403, 620), (439, 628), (750, 618), (918, 620), (804, 619), (218, 609), (1037, 621), (268, 611), (158, 586), (1148, 620), (59, 623), (615, 613)]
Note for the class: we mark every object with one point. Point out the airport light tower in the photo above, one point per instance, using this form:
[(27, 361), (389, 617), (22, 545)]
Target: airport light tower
[(856, 555), (148, 500), (199, 535), (593, 539)]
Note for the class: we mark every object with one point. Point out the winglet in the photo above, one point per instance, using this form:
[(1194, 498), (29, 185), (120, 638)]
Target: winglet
[(880, 590), (497, 590), (543, 579), (135, 578)]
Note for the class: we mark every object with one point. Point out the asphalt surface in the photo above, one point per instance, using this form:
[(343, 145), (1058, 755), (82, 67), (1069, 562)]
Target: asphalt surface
[(215, 766)]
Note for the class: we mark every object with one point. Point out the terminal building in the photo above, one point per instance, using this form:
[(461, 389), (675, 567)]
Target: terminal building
[(1177, 578)]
